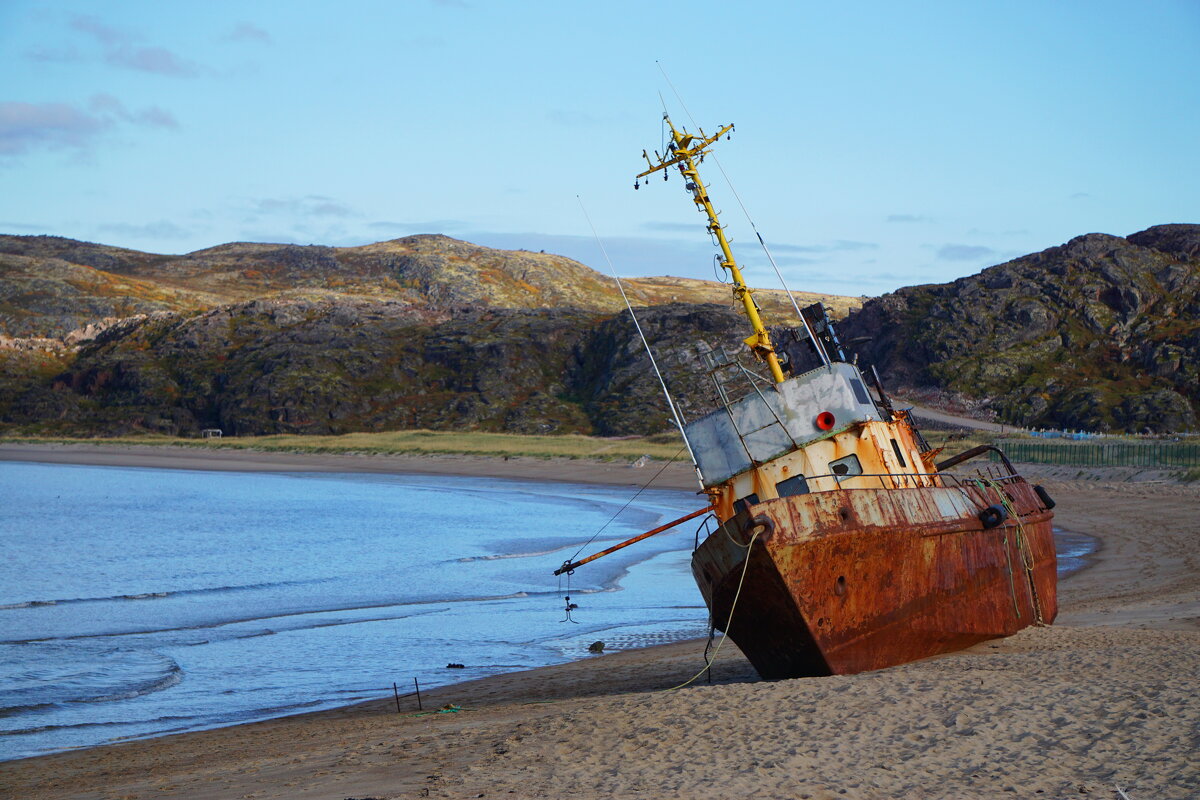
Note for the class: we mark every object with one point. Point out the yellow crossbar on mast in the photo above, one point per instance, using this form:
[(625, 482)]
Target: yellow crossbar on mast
[(685, 151)]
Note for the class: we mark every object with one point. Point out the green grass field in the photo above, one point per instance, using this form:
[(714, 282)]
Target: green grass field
[(660, 447)]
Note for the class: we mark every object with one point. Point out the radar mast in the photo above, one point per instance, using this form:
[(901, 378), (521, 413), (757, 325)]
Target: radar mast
[(687, 151)]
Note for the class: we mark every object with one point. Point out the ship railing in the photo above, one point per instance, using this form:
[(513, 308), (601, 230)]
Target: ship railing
[(911, 480)]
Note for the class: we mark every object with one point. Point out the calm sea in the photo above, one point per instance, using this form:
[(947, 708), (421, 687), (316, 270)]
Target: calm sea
[(138, 602)]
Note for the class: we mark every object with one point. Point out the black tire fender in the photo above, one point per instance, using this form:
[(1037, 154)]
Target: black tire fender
[(993, 515), (1044, 496)]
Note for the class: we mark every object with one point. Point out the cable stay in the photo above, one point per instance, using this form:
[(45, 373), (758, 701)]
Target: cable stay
[(675, 412)]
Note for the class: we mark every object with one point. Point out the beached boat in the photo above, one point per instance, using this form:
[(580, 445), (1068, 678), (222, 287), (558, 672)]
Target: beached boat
[(841, 543)]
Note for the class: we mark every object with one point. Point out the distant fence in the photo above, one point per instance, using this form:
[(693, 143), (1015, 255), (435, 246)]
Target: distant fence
[(1104, 454)]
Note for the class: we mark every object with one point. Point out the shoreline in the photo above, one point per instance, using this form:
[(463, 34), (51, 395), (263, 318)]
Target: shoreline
[(1105, 693), (679, 475)]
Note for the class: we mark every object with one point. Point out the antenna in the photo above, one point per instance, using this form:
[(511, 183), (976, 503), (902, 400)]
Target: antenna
[(803, 320), (684, 152)]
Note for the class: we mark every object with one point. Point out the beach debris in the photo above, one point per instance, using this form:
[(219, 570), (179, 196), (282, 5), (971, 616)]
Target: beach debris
[(596, 647), (453, 665), (449, 708), (641, 462)]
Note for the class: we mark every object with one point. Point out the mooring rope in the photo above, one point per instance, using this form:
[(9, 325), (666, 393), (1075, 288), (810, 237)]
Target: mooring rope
[(733, 607), (1024, 550)]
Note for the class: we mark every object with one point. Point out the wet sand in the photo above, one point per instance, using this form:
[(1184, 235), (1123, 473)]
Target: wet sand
[(1105, 698), (563, 470)]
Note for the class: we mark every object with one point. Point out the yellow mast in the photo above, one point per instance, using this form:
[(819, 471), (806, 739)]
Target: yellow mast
[(684, 151)]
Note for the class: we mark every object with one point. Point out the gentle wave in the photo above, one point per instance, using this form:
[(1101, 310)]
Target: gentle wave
[(83, 725), (207, 590), (502, 556), (56, 675), (221, 623), (172, 678)]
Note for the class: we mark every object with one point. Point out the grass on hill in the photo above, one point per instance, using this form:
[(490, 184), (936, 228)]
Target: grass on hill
[(662, 447)]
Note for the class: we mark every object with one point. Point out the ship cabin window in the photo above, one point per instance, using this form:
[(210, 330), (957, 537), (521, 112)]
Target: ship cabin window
[(792, 486), (845, 467), (899, 455), (741, 505), (860, 392)]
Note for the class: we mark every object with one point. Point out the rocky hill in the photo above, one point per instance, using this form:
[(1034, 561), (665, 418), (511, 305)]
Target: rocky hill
[(1101, 333), (50, 285), (337, 364)]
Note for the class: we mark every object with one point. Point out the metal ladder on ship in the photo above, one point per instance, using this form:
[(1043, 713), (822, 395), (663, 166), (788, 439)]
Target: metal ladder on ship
[(718, 363)]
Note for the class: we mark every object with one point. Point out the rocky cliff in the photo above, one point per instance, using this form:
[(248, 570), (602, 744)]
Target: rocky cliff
[(338, 364), (1101, 333)]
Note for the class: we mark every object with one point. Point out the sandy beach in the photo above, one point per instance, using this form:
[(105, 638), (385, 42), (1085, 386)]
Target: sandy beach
[(1099, 704)]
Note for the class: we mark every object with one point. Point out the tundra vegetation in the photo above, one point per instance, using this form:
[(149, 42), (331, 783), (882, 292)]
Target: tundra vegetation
[(429, 333)]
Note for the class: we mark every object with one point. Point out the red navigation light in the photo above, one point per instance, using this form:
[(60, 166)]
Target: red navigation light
[(825, 421)]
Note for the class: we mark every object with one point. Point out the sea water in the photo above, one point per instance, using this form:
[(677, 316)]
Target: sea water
[(139, 602)]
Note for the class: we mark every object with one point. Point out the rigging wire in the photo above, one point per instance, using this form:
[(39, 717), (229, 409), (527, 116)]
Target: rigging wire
[(611, 519), (761, 241), (675, 413)]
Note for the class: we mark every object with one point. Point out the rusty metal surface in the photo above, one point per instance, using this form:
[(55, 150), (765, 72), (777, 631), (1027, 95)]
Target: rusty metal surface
[(847, 581)]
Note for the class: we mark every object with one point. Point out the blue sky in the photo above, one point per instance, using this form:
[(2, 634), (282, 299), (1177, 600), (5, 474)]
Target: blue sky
[(877, 145)]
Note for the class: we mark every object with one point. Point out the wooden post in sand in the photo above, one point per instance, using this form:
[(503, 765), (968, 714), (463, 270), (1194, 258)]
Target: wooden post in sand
[(396, 692), (418, 687)]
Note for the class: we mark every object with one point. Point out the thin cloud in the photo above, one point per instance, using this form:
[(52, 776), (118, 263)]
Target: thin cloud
[(22, 226), (409, 228), (1010, 232), (963, 252), (908, 218), (845, 244), (313, 205), (122, 51), (30, 126), (794, 261), (102, 33), (673, 227), (151, 115), (54, 126), (837, 246), (62, 55), (248, 32), (158, 60), (162, 229)]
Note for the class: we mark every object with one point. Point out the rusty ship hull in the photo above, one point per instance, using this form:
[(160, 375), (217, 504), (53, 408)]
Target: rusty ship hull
[(845, 581)]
